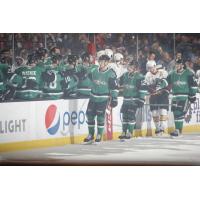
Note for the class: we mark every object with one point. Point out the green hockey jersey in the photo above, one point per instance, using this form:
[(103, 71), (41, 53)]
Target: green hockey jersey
[(5, 70), (53, 89), (27, 81), (103, 85), (183, 84), (69, 75), (2, 84), (131, 84), (84, 86)]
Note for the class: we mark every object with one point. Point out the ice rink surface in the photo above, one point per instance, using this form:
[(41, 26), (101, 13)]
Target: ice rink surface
[(137, 151)]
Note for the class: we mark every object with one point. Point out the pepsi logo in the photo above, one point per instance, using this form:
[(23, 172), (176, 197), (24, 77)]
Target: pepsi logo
[(52, 119)]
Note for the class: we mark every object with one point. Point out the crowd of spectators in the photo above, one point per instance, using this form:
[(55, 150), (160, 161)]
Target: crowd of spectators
[(139, 46), (163, 48)]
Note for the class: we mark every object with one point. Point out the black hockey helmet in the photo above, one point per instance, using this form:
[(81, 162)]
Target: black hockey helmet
[(56, 58), (41, 52), (133, 63), (179, 61), (104, 57), (85, 56), (32, 58), (72, 59)]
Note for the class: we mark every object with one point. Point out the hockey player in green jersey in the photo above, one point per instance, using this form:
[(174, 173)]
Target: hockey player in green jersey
[(84, 85), (4, 70), (184, 87), (70, 76), (134, 94), (5, 67), (27, 80), (2, 87), (53, 81), (43, 59), (104, 91)]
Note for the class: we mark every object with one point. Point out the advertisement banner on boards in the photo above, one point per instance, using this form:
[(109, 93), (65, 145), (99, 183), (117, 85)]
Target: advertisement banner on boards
[(25, 121)]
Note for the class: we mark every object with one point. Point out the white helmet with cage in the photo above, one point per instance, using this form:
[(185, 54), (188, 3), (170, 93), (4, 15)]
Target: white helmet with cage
[(100, 53), (118, 57), (109, 53), (150, 64)]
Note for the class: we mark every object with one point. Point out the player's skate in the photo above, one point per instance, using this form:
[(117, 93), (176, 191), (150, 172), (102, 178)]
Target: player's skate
[(158, 132), (128, 136), (89, 139), (98, 138), (122, 136), (175, 134)]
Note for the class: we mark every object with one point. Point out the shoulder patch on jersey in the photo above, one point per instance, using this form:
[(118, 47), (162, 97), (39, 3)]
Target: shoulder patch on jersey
[(190, 71), (113, 72)]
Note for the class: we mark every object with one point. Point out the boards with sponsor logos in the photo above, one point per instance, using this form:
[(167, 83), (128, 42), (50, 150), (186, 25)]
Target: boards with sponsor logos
[(24, 121)]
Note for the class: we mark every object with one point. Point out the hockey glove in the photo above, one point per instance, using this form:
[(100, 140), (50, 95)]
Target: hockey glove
[(64, 84), (112, 83), (68, 72), (9, 95), (48, 76), (192, 99), (113, 102), (82, 74)]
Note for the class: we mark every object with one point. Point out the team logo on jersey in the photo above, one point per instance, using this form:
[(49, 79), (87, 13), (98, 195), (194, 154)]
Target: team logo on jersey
[(129, 86), (180, 83), (99, 82), (52, 119)]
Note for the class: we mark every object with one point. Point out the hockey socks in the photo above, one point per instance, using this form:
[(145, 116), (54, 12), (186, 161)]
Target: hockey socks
[(91, 130), (124, 127), (131, 127), (179, 124)]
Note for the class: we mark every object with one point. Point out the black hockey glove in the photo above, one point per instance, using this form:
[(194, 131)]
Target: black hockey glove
[(68, 72), (9, 95), (48, 76), (112, 83), (31, 84), (64, 84), (113, 102), (81, 75), (192, 99)]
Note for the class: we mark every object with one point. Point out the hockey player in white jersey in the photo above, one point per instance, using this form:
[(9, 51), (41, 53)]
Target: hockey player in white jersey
[(155, 80), (118, 65), (198, 79)]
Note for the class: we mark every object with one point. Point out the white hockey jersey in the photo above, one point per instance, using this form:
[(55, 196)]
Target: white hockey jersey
[(198, 77), (150, 79), (119, 69)]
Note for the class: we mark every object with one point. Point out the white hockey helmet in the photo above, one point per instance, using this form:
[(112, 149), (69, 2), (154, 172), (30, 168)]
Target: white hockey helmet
[(118, 57), (150, 64), (109, 52), (100, 53), (198, 73)]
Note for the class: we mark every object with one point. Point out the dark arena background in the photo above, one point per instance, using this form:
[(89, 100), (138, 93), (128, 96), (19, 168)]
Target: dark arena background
[(38, 127)]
